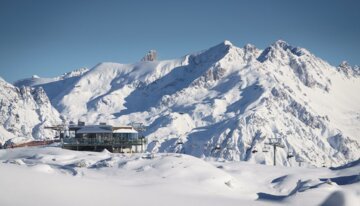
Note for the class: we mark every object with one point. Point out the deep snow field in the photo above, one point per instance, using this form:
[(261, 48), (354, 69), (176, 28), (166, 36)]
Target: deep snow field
[(54, 176)]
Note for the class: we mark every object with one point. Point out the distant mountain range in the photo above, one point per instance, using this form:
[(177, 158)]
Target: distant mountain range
[(223, 102)]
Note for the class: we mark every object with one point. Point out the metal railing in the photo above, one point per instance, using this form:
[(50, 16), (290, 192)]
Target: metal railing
[(102, 142)]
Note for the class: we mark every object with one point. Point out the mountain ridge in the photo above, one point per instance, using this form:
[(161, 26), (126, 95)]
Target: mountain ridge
[(227, 97)]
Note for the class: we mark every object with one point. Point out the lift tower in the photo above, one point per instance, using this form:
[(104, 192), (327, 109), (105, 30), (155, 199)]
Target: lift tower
[(275, 142)]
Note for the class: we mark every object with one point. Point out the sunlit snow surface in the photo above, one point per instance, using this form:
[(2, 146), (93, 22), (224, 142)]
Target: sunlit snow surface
[(53, 176)]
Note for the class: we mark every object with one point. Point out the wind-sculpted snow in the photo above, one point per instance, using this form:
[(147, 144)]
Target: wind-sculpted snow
[(54, 176), (226, 102)]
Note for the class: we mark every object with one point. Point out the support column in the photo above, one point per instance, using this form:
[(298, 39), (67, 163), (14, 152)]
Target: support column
[(274, 155)]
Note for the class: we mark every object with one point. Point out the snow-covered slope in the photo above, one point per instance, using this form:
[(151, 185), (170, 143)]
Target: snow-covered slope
[(25, 112), (36, 80), (53, 86), (53, 176), (226, 102)]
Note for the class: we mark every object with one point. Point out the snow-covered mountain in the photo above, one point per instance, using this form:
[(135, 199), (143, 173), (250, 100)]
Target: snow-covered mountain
[(225, 102), (25, 111)]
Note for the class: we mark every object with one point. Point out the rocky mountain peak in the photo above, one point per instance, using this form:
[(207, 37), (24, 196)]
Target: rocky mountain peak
[(25, 111), (150, 56), (279, 49), (348, 70)]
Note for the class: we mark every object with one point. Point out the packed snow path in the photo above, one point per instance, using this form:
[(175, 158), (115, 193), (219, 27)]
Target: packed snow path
[(53, 176)]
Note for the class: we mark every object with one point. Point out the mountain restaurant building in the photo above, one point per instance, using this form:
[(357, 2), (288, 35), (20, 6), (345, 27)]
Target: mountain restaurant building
[(124, 139)]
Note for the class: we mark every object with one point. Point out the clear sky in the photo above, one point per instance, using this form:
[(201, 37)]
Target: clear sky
[(50, 37)]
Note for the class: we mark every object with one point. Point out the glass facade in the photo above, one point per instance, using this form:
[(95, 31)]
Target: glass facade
[(125, 136)]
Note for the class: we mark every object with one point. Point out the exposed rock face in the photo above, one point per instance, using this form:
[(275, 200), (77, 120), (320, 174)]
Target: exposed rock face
[(150, 56), (25, 112), (348, 70)]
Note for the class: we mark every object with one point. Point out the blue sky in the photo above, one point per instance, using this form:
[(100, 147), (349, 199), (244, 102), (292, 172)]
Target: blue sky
[(48, 37)]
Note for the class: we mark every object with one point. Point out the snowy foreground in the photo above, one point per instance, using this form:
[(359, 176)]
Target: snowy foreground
[(53, 176)]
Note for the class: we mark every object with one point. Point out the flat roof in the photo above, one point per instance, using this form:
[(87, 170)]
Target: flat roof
[(125, 130), (94, 130)]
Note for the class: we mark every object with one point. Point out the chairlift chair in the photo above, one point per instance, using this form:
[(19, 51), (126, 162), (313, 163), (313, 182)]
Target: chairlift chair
[(290, 154), (232, 147), (254, 150), (194, 145), (299, 159), (266, 149)]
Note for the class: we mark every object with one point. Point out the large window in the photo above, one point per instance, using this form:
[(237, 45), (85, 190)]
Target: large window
[(126, 136)]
